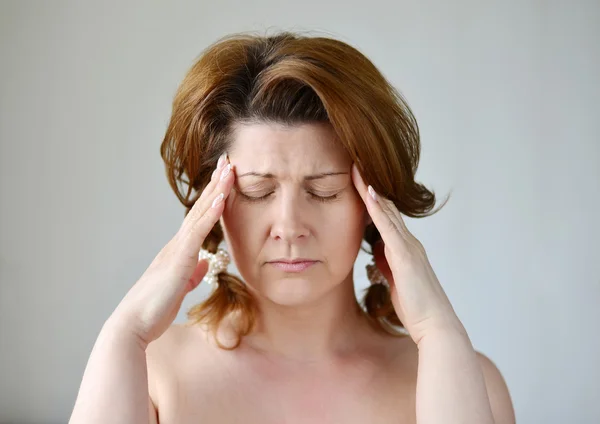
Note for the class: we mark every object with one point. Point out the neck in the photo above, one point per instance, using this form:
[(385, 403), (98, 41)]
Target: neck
[(320, 331)]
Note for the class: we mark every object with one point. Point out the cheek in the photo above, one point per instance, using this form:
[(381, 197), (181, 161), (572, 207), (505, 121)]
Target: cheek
[(356, 214), (342, 228), (237, 223), (344, 220)]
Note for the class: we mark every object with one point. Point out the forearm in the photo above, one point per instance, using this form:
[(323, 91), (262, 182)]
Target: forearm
[(450, 383), (114, 388)]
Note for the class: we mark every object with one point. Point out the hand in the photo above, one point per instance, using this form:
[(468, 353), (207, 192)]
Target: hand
[(417, 296), (152, 304)]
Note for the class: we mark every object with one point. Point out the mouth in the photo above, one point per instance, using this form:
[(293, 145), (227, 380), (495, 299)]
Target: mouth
[(292, 265)]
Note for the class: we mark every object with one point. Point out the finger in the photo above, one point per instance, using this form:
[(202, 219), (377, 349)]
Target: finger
[(204, 215), (401, 227), (197, 276), (392, 211), (387, 228), (210, 187), (221, 188), (209, 190), (395, 215)]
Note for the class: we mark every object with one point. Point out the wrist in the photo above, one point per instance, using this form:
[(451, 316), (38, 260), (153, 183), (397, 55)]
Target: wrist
[(120, 331), (447, 327)]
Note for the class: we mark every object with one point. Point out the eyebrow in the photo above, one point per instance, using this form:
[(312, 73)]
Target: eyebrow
[(307, 178)]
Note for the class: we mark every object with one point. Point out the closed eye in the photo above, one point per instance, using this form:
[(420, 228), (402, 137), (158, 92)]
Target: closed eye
[(253, 198), (324, 198), (264, 197)]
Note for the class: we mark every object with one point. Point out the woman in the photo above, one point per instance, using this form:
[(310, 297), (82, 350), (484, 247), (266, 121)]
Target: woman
[(294, 150)]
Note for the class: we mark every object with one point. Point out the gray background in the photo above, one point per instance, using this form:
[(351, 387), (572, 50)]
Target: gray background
[(507, 96)]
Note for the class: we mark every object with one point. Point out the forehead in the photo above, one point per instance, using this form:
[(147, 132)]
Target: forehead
[(276, 148)]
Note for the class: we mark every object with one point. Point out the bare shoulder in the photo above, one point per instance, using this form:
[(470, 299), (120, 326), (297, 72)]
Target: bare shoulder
[(165, 346), (497, 389), (405, 354), (173, 345), (400, 360), (169, 355)]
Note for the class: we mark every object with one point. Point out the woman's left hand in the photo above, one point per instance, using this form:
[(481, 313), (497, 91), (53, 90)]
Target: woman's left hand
[(417, 295)]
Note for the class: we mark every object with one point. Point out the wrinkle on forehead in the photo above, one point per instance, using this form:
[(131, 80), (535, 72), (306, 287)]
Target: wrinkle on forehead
[(284, 151)]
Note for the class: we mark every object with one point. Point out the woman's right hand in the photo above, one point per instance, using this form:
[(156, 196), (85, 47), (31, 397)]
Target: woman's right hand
[(152, 304)]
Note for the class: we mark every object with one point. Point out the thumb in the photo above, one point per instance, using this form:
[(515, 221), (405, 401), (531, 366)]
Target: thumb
[(197, 275)]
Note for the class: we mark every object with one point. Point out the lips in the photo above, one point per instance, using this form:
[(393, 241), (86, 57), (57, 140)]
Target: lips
[(292, 261), (292, 265)]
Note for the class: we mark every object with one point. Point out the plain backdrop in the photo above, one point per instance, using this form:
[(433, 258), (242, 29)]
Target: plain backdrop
[(507, 96)]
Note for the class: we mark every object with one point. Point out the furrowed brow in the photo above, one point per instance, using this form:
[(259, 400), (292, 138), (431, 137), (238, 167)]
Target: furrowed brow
[(307, 178)]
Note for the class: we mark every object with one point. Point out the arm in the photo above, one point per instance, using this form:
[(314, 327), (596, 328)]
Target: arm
[(451, 385), (114, 388), (455, 384)]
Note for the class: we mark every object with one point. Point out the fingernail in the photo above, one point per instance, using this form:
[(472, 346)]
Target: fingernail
[(222, 161), (218, 200), (213, 174), (372, 193), (225, 171)]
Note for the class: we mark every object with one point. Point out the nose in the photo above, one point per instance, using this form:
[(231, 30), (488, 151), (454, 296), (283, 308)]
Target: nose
[(288, 219)]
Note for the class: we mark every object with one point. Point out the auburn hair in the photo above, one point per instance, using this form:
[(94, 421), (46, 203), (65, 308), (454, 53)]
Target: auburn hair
[(290, 78)]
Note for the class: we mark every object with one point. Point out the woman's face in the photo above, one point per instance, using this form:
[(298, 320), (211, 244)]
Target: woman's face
[(293, 199)]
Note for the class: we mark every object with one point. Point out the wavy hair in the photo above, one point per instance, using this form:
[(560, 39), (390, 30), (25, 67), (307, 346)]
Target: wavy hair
[(289, 78)]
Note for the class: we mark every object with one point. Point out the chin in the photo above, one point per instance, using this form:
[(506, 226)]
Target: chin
[(293, 291)]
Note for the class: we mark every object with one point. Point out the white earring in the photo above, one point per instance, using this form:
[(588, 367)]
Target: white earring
[(217, 263), (375, 276)]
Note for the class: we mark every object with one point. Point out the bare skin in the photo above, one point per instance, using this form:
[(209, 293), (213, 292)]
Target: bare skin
[(192, 380), (283, 194), (312, 358)]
